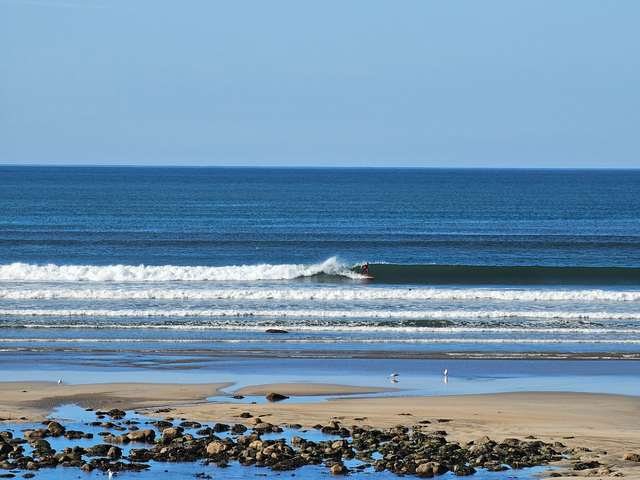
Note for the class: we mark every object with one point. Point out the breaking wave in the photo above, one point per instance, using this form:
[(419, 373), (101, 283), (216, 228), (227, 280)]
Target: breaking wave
[(336, 314), (24, 272)]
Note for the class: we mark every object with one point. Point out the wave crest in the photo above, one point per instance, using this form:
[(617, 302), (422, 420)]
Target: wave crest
[(24, 272)]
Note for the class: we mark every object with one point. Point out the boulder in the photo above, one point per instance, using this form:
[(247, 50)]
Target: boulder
[(140, 455), (171, 433), (631, 457), (55, 429), (338, 469), (146, 435), (256, 444), (221, 427), (275, 397), (430, 469), (114, 453), (238, 428), (216, 448), (116, 413), (33, 434), (99, 450), (586, 465), (42, 447)]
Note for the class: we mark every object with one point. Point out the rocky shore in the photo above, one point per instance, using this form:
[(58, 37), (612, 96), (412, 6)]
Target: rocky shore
[(129, 444)]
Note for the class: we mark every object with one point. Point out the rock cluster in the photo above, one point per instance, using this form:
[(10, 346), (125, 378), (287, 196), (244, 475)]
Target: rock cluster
[(401, 450)]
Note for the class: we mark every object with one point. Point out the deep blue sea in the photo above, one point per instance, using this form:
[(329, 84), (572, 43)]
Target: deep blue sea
[(488, 262)]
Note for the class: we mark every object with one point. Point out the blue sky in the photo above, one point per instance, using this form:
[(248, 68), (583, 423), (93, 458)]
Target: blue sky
[(414, 83)]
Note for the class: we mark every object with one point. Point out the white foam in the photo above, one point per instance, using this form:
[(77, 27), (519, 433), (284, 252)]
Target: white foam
[(320, 294), (328, 341), (332, 329), (24, 272), (331, 314)]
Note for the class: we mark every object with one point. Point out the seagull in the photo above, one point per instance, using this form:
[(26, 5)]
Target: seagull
[(110, 473), (393, 375), (445, 372), (60, 381)]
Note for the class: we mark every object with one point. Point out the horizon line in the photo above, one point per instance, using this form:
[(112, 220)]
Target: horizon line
[(311, 167)]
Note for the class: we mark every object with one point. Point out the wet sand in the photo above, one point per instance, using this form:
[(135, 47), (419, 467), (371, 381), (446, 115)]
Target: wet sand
[(310, 389)]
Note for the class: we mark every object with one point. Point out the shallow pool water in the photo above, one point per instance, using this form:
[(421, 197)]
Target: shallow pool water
[(74, 417)]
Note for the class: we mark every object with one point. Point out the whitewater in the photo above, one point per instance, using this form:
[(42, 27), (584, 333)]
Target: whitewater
[(170, 273), (344, 293)]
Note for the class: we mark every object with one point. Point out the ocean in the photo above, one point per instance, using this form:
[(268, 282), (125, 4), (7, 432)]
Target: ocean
[(267, 262)]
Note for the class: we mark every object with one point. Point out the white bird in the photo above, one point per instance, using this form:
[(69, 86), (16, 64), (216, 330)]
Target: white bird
[(110, 473), (393, 375), (60, 381), (445, 372)]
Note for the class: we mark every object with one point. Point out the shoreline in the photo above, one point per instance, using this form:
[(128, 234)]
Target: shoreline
[(338, 354)]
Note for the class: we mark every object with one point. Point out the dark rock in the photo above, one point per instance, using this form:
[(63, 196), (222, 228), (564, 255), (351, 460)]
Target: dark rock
[(99, 450), (140, 455), (238, 429), (76, 434), (55, 429), (114, 453), (190, 425), (116, 413), (338, 469), (146, 436), (42, 448), (631, 457), (221, 427), (275, 397), (169, 434), (586, 465)]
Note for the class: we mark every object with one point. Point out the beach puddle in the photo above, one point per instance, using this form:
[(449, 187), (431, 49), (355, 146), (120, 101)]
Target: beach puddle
[(101, 429), (260, 399)]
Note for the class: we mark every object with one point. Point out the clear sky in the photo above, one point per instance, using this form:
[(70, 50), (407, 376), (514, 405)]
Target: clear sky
[(471, 83)]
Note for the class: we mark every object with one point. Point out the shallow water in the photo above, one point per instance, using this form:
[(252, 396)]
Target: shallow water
[(417, 377)]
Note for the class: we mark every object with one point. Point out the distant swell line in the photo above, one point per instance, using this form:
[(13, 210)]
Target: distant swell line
[(504, 275), (377, 314)]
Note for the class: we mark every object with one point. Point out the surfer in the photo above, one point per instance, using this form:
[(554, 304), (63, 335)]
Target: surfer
[(365, 269)]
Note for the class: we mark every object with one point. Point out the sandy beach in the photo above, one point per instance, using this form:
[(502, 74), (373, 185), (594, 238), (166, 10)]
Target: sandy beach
[(34, 400), (606, 425)]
